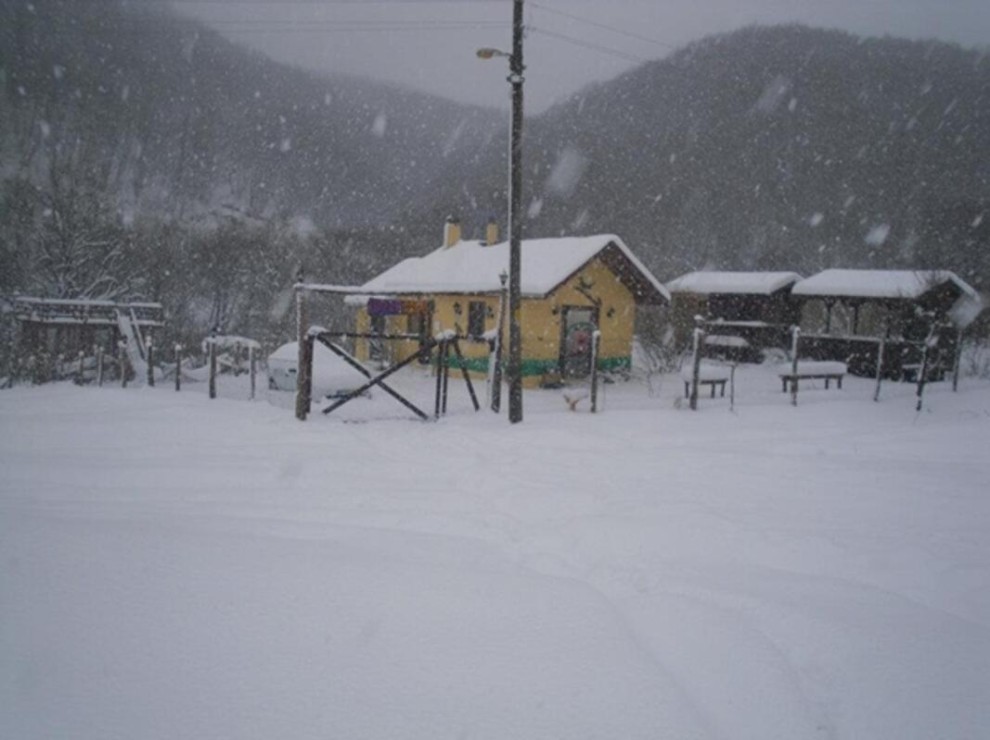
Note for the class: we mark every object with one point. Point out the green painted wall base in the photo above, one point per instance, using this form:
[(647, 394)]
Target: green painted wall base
[(538, 368)]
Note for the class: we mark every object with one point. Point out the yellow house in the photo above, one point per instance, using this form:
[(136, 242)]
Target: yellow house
[(570, 287)]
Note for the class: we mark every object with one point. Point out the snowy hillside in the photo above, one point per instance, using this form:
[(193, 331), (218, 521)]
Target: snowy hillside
[(172, 567)]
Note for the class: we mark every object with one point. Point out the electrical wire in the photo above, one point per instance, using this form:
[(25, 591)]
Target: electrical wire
[(347, 27), (604, 26), (587, 44)]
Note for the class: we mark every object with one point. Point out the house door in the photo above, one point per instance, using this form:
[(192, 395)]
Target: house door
[(577, 326)]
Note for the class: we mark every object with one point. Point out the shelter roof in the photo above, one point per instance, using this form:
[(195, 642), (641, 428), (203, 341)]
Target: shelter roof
[(715, 282), (907, 284)]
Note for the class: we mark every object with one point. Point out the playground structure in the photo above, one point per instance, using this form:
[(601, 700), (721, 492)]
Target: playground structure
[(934, 362), (60, 338), (436, 351), (441, 351)]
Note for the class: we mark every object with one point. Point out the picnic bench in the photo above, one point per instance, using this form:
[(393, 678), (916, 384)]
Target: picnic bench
[(710, 374), (813, 370)]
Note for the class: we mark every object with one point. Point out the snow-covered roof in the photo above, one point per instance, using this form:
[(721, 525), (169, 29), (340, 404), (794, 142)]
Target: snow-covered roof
[(709, 282), (472, 267), (879, 283)]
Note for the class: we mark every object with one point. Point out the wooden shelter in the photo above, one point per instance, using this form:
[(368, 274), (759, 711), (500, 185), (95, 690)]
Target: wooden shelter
[(50, 327), (845, 314), (745, 311)]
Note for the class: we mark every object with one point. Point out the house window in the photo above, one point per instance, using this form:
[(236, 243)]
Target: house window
[(415, 324), (477, 311), (376, 347)]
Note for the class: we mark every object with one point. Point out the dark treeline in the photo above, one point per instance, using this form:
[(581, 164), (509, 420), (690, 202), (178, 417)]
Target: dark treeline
[(143, 156)]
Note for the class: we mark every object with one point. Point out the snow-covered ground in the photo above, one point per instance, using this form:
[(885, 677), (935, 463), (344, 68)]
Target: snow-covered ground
[(175, 567)]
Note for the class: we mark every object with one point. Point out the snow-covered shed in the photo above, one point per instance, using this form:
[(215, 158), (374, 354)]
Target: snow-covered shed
[(844, 313), (570, 286), (754, 306), (51, 327)]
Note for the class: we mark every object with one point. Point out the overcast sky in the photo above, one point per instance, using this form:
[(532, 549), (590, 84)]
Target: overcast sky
[(430, 44)]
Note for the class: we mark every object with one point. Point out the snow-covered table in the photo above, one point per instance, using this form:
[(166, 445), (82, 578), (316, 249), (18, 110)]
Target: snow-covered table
[(709, 374), (813, 370)]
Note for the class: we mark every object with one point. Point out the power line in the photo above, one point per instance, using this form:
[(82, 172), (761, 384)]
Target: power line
[(276, 3), (603, 26), (261, 26), (588, 45)]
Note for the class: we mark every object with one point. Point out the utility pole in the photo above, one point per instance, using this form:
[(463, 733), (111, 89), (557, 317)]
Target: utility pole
[(516, 67)]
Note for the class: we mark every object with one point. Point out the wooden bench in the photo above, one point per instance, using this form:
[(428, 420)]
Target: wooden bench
[(714, 376), (813, 370)]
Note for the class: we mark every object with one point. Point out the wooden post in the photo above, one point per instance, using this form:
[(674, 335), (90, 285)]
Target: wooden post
[(496, 388), (212, 352), (149, 354), (252, 362), (99, 365), (441, 351), (698, 337), (13, 364), (596, 340), (178, 367), (795, 339), (304, 386), (880, 350), (82, 356), (307, 372), (123, 362), (923, 371), (446, 376), (957, 361), (732, 387)]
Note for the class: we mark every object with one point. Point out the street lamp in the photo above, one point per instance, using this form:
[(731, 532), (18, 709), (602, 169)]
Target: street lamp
[(514, 367)]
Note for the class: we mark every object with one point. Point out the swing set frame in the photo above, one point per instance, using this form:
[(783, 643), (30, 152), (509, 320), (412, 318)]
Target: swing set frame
[(443, 344)]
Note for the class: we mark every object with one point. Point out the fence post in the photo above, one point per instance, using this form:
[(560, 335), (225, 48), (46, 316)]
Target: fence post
[(99, 365), (441, 353), (252, 361), (304, 358), (178, 366), (923, 372), (596, 339), (880, 350), (82, 357), (698, 337), (124, 363), (957, 361), (212, 353), (496, 356), (150, 357), (795, 338)]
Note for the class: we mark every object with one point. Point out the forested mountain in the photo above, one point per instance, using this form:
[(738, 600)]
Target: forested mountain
[(169, 117), (143, 155), (780, 147)]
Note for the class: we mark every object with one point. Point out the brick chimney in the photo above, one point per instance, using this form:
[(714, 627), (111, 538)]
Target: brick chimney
[(451, 231), (491, 232)]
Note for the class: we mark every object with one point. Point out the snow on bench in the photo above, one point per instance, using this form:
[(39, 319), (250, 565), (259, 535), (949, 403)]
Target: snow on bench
[(726, 340), (709, 374), (813, 370)]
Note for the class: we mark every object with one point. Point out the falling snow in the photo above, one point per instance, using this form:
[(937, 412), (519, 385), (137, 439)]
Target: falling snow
[(877, 235), (380, 125)]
